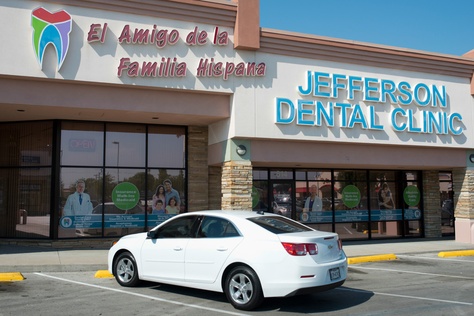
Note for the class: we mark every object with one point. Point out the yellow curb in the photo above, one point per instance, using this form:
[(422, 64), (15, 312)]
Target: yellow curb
[(356, 260), (372, 231), (11, 276), (103, 274), (459, 253)]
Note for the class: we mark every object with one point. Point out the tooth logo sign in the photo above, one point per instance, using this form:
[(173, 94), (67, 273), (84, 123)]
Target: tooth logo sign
[(51, 28)]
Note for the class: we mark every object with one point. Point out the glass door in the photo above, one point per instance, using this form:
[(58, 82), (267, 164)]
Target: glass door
[(281, 198)]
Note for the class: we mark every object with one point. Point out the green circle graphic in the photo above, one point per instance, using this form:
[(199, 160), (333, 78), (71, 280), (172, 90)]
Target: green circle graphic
[(411, 195), (125, 196), (351, 196)]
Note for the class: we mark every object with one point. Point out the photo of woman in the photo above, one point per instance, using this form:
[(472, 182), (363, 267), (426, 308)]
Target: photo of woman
[(159, 196)]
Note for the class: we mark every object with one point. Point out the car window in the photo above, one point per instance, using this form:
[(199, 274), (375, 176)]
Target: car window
[(177, 228), (279, 225), (215, 227)]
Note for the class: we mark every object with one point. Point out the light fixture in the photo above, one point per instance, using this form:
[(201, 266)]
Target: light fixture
[(471, 158), (241, 150)]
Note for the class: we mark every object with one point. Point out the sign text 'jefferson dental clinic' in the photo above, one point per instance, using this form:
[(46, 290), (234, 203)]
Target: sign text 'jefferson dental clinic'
[(415, 108), (172, 66)]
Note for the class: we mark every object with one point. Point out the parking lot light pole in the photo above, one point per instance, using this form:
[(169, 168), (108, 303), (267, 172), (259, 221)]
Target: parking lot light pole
[(118, 157)]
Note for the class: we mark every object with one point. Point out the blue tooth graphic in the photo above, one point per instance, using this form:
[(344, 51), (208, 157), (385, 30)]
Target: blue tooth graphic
[(51, 28)]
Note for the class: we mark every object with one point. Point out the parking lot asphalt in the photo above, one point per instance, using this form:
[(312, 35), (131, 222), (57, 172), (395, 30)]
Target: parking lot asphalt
[(21, 259)]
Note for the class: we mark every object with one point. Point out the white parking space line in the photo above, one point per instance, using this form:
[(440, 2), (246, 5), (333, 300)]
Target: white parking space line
[(348, 231), (436, 258), (141, 295), (406, 296), (413, 272)]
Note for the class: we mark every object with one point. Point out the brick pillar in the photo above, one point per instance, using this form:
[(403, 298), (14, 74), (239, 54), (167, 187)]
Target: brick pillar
[(198, 175), (237, 185), (432, 204), (215, 186), (463, 187)]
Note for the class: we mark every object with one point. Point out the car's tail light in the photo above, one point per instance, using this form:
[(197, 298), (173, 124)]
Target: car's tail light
[(339, 243), (300, 249)]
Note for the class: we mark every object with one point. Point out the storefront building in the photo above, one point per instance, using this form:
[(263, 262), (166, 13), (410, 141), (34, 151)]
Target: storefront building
[(118, 115)]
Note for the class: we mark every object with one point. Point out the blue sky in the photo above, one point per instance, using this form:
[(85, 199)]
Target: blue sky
[(439, 26)]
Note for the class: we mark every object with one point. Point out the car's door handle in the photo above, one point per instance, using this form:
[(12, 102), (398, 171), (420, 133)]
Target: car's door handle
[(178, 248), (222, 249)]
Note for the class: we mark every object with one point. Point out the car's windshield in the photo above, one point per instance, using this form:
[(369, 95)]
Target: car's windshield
[(279, 225)]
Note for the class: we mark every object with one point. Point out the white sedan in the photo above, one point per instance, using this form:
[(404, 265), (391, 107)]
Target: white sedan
[(247, 255)]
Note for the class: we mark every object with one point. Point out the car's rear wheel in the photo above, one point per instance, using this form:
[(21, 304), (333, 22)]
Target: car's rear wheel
[(126, 272), (242, 288)]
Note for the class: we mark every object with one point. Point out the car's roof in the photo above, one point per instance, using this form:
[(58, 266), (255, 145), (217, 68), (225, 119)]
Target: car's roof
[(229, 213)]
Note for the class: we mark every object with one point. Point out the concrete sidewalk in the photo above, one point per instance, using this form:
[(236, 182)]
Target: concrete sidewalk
[(14, 258)]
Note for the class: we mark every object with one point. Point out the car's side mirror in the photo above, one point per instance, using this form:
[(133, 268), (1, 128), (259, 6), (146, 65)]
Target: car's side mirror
[(152, 234)]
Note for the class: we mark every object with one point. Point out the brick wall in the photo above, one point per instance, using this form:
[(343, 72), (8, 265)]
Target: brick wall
[(237, 185), (432, 203), (463, 187), (198, 175), (215, 186)]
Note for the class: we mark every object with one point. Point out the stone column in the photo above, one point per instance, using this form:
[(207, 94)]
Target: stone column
[(215, 187), (463, 187), (198, 175), (432, 204), (237, 185)]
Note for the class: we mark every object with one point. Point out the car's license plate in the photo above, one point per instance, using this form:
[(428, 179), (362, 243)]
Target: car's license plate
[(334, 273)]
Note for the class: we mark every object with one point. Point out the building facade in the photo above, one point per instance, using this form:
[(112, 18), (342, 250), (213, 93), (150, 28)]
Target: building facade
[(118, 115)]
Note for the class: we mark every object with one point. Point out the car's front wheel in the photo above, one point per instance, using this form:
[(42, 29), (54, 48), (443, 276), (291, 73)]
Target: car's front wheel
[(125, 268), (242, 288)]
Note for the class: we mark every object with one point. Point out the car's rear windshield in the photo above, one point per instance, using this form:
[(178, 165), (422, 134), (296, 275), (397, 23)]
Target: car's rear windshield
[(279, 225)]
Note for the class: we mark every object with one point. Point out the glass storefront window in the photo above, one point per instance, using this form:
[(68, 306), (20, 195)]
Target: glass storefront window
[(166, 147), (347, 202), (381, 175), (260, 196), (412, 208), (82, 143), (80, 194), (26, 191), (166, 196), (27, 144), (125, 146), (352, 231), (104, 183), (447, 202), (281, 174), (259, 174), (25, 179), (387, 213), (300, 175), (121, 187), (124, 213), (350, 204)]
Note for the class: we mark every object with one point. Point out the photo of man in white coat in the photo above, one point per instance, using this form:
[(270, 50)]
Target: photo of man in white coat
[(78, 203), (313, 202)]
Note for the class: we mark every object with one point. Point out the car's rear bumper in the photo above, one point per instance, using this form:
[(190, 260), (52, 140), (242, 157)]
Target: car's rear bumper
[(315, 289), (306, 279)]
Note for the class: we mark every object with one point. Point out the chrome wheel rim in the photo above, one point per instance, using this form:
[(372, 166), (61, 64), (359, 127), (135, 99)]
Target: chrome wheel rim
[(125, 270), (241, 288)]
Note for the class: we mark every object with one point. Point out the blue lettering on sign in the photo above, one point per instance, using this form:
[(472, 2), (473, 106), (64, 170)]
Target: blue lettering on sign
[(427, 114), (386, 215), (352, 216)]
